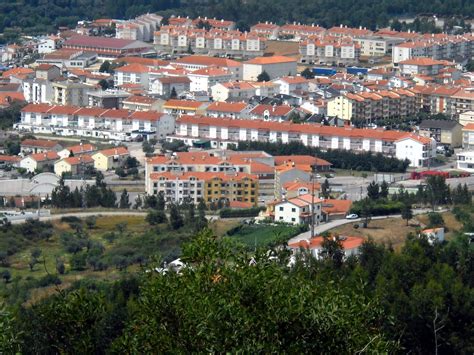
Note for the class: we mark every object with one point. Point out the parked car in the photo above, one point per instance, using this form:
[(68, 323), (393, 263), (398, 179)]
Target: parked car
[(352, 216)]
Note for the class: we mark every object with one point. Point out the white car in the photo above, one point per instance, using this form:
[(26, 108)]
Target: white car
[(352, 216)]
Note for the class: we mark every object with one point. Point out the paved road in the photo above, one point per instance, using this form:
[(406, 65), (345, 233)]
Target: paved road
[(339, 222)]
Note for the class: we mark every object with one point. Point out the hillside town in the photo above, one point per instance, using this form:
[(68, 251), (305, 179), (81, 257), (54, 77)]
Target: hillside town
[(232, 153)]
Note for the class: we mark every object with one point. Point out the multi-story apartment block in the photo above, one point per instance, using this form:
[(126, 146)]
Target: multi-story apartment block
[(175, 39), (197, 62), (329, 50), (71, 93), (220, 132), (213, 23), (299, 31), (436, 46), (421, 65), (450, 100), (370, 106), (468, 136), (95, 122), (267, 29), (233, 91), (465, 161), (140, 29), (229, 109), (210, 187)]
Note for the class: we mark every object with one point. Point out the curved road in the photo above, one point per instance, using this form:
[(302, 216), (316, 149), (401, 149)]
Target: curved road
[(339, 222)]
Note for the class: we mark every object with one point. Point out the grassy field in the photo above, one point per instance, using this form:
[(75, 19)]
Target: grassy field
[(262, 235), (394, 230)]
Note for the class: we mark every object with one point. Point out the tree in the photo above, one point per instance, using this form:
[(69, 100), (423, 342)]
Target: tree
[(373, 191), (201, 222), (91, 222), (156, 217), (105, 67), (173, 94), (307, 73), (437, 191), (6, 276), (176, 220), (367, 211), (384, 189), (60, 267), (407, 212), (124, 200), (325, 189), (263, 76), (138, 203), (332, 250), (104, 84), (147, 148), (191, 214), (160, 201), (435, 220)]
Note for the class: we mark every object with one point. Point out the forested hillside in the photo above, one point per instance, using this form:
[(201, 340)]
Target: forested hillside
[(35, 16)]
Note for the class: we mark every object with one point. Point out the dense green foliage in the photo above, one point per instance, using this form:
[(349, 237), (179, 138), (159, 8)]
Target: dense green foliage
[(341, 159), (233, 300), (261, 235), (244, 212)]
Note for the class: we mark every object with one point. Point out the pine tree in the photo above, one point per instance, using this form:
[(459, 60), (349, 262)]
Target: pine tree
[(191, 214), (176, 220), (384, 189), (202, 220), (173, 94), (160, 201), (263, 76), (325, 189), (373, 191), (407, 212), (124, 200)]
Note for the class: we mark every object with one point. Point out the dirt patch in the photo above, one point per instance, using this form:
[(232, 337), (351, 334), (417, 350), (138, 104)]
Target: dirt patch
[(286, 48), (385, 231)]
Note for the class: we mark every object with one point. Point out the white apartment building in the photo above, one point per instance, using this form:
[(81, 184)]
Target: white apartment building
[(465, 161), (94, 122), (330, 51), (419, 150), (133, 74), (221, 132), (204, 79)]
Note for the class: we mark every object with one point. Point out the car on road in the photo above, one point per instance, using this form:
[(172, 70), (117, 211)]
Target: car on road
[(352, 216)]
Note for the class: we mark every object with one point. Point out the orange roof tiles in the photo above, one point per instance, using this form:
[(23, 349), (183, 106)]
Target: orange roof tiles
[(277, 59), (183, 104), (16, 71), (332, 206), (81, 148), (83, 159), (42, 143), (207, 61), (349, 242), (114, 151), (146, 115), (39, 157), (133, 68), (232, 107), (276, 111), (300, 159), (308, 128), (10, 158), (468, 127), (422, 61)]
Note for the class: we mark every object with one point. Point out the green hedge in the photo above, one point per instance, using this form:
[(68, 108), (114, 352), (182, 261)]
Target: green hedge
[(379, 208), (235, 213)]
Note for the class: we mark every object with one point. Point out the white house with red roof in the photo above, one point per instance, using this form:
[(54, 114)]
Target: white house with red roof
[(134, 73), (204, 79), (417, 149), (299, 210), (271, 112), (38, 161), (292, 84), (233, 91), (77, 150)]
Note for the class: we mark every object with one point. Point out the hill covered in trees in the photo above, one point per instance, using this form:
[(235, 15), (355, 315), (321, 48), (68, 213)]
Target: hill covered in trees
[(36, 16)]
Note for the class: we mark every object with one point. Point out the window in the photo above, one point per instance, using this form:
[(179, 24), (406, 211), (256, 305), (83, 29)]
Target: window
[(281, 209), (293, 210), (293, 219)]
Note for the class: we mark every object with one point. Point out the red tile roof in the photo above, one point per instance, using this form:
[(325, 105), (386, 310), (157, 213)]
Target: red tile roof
[(81, 148), (146, 115), (40, 143), (277, 59), (232, 107), (276, 111), (331, 206), (207, 61), (307, 128), (114, 151), (349, 242), (39, 157), (83, 159), (300, 159)]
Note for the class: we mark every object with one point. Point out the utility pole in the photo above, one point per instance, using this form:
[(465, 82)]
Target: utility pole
[(312, 205)]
